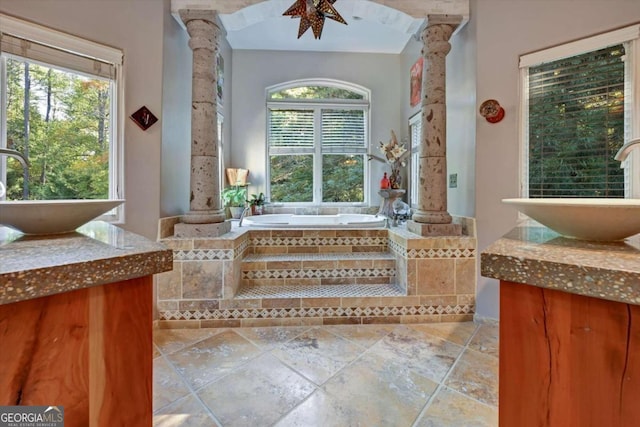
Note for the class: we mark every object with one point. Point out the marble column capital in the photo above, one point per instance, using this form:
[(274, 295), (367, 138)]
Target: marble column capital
[(202, 27)]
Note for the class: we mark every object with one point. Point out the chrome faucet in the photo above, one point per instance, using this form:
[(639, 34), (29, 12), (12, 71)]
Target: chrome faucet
[(624, 151), (243, 214), (16, 154), (25, 166)]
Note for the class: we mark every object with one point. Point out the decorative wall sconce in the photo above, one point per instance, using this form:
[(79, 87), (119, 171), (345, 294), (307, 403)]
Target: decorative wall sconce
[(491, 111)]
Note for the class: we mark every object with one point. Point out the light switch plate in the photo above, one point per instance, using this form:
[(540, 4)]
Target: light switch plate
[(453, 180)]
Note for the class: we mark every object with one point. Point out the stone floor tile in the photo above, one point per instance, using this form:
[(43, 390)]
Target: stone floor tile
[(167, 384), (170, 340), (317, 354), (324, 410), (452, 409), (212, 357), (455, 332), (156, 352), (476, 375), (186, 412), (430, 356), (338, 375), (487, 339), (384, 392), (256, 394), (363, 335), (271, 336)]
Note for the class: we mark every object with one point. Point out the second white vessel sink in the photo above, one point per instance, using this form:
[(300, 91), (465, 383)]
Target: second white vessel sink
[(588, 219), (52, 216)]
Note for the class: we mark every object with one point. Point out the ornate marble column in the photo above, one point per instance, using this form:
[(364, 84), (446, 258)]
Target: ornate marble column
[(206, 216), (431, 217)]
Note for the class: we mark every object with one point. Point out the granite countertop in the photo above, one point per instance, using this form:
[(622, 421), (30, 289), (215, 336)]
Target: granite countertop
[(96, 254), (536, 255)]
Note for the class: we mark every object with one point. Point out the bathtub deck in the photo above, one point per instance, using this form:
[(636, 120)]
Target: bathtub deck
[(331, 291)]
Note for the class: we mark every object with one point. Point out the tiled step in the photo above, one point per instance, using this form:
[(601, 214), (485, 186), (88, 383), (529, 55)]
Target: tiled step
[(332, 291), (319, 241), (331, 269)]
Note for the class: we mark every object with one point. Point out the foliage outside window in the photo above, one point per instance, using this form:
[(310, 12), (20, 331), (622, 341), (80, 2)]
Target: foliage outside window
[(317, 142), (59, 111), (578, 115)]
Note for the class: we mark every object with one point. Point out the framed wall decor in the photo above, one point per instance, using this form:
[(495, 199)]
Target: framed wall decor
[(144, 118), (416, 81)]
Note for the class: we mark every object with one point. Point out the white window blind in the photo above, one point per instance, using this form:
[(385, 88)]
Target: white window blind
[(291, 129), (576, 123), (343, 129), (43, 54)]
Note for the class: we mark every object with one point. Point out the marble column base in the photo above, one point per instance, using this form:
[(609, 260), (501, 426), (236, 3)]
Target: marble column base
[(434, 230), (204, 217), (201, 230)]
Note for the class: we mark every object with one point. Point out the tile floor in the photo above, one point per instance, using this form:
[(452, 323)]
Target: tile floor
[(344, 375)]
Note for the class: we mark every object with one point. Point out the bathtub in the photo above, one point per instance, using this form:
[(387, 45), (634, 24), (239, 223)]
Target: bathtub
[(314, 221)]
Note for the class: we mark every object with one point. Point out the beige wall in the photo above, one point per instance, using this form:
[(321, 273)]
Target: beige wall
[(506, 29), (136, 27)]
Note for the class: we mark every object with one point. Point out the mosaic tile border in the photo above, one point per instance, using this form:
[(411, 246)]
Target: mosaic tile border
[(242, 249), (319, 273), (318, 241), (204, 255), (328, 256), (211, 254), (441, 253), (281, 313), (402, 251), (311, 291)]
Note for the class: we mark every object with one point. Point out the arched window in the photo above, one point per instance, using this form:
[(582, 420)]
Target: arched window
[(317, 139)]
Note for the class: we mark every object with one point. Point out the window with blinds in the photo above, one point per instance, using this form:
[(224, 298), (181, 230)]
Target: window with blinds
[(579, 105), (60, 110), (576, 125), (343, 130), (316, 142)]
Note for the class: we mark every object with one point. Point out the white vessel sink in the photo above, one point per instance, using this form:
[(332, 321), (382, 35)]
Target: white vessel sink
[(52, 216), (588, 219)]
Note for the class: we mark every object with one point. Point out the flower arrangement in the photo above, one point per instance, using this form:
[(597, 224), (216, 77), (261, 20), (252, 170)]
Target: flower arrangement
[(394, 153)]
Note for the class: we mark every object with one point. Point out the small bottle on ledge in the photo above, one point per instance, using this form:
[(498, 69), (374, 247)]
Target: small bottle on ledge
[(384, 182)]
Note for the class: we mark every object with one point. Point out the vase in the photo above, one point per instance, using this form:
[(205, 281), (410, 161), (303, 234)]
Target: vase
[(395, 179), (235, 211)]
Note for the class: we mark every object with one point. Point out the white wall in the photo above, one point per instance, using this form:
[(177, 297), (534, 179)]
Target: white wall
[(136, 27), (504, 30), (461, 100), (254, 71), (176, 108)]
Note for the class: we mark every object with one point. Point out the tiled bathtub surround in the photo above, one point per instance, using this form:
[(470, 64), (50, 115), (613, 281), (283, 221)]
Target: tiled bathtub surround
[(257, 277)]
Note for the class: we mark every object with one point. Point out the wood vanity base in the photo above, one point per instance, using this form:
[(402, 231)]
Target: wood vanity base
[(89, 350), (567, 360)]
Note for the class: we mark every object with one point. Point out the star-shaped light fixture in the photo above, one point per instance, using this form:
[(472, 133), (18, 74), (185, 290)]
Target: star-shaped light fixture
[(312, 14)]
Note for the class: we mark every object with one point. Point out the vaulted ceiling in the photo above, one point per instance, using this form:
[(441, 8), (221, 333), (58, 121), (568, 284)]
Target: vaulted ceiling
[(374, 26)]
